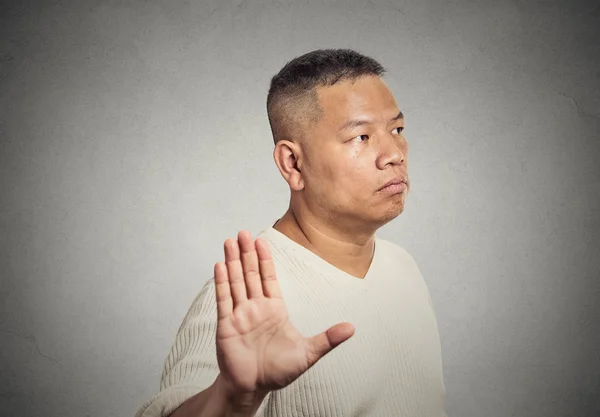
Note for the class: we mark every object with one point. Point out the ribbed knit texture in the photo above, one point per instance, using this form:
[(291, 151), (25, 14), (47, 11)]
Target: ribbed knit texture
[(391, 367)]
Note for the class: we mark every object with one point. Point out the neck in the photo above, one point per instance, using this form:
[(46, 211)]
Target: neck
[(350, 253)]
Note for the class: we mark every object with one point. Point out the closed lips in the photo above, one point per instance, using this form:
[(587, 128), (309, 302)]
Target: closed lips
[(394, 181)]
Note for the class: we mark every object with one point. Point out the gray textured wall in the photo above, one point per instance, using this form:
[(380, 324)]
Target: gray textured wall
[(134, 141)]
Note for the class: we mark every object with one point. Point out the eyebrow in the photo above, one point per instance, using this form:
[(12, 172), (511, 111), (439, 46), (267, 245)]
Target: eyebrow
[(360, 122)]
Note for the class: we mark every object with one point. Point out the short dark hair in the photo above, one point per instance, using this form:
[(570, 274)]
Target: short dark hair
[(295, 84)]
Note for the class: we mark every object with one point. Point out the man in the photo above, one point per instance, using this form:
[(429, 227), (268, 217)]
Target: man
[(241, 349)]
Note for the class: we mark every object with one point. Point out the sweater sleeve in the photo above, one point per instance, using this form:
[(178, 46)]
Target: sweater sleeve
[(191, 365)]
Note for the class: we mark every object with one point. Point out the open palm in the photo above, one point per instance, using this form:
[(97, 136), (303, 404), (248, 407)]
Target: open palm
[(258, 349)]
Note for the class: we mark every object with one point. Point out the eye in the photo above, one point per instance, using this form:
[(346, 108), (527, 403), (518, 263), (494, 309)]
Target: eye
[(361, 137), (399, 129)]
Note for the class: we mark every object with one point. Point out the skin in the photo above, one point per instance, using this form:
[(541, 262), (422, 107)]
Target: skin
[(334, 176)]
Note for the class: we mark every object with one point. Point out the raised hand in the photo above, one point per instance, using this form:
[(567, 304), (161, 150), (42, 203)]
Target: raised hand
[(258, 349)]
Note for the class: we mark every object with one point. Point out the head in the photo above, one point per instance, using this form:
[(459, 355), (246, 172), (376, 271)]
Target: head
[(338, 138)]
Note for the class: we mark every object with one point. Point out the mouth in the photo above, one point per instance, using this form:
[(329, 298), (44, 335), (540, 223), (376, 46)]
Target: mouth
[(395, 184), (394, 188)]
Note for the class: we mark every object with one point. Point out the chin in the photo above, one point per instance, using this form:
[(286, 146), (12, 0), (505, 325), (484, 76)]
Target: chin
[(394, 211), (389, 215)]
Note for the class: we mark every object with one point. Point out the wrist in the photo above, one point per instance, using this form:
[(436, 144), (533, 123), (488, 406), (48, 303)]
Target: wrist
[(239, 403)]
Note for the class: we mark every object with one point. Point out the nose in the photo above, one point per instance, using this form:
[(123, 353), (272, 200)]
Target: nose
[(392, 150)]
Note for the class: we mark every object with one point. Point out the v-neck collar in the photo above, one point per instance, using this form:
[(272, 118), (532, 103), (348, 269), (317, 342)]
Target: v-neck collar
[(283, 241)]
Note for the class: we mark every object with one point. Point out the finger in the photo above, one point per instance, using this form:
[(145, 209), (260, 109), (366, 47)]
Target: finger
[(236, 274), (270, 285), (223, 294), (250, 265), (323, 343)]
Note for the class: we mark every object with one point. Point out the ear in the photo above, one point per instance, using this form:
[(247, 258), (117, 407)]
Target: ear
[(288, 158)]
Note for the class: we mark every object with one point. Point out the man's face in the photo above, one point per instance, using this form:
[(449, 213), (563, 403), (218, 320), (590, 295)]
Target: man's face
[(353, 150)]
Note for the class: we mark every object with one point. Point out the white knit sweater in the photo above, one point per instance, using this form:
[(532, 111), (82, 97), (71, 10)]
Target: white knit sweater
[(390, 367)]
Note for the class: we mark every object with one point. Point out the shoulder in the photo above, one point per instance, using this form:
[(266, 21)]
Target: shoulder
[(203, 308), (398, 258), (207, 295), (397, 254)]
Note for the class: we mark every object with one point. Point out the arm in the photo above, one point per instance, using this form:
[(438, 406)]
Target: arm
[(190, 370), (217, 401), (236, 344)]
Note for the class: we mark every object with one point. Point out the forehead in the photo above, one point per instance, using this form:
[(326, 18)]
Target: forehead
[(364, 96)]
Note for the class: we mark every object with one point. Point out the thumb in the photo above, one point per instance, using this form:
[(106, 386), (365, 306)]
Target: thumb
[(321, 344)]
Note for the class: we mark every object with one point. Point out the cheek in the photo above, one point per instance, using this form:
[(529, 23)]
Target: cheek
[(358, 181), (323, 182)]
